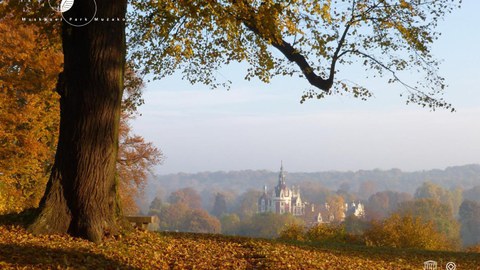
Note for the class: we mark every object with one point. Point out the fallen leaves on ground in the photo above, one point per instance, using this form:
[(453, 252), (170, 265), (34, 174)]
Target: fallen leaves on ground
[(148, 250)]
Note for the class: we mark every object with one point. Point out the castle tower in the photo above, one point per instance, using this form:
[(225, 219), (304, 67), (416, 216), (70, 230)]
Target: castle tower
[(282, 200), (281, 190), (281, 176)]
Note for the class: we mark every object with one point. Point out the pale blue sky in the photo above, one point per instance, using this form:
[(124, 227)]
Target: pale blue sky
[(255, 125)]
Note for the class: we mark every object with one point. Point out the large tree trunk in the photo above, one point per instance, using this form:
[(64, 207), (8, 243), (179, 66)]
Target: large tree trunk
[(81, 196)]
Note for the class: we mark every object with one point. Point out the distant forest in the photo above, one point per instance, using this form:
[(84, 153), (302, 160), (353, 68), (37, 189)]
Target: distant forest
[(363, 182)]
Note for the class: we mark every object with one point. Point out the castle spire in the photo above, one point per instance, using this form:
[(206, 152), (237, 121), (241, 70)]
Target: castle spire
[(281, 176)]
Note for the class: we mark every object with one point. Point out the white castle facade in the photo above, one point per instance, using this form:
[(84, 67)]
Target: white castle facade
[(288, 200), (282, 200)]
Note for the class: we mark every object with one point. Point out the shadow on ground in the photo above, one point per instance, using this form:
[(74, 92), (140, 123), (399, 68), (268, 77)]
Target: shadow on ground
[(23, 218), (30, 256)]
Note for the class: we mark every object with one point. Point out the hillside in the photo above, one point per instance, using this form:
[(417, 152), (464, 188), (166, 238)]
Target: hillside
[(146, 250)]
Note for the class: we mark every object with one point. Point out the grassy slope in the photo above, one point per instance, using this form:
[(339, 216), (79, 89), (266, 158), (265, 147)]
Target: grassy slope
[(144, 250)]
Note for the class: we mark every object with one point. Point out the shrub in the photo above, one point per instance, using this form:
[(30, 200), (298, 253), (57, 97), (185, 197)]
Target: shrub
[(294, 232), (355, 225), (327, 233), (473, 249), (321, 233), (405, 232), (267, 225)]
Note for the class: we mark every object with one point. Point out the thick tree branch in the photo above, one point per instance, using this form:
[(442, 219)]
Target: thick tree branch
[(294, 56)]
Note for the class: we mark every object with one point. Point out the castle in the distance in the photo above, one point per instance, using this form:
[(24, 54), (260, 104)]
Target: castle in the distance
[(285, 200), (282, 200)]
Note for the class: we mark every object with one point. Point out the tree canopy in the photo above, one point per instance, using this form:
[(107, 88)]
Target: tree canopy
[(431, 210), (312, 39), (29, 114), (470, 220)]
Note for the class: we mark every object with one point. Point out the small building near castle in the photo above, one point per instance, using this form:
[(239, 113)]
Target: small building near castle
[(283, 199)]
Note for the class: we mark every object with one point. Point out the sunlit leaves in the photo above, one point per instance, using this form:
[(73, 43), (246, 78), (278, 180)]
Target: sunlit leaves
[(406, 231), (146, 250), (29, 113), (184, 213), (388, 37), (440, 216), (29, 116), (135, 159)]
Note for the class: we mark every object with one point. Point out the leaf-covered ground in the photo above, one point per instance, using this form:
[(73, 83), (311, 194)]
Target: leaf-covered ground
[(146, 250)]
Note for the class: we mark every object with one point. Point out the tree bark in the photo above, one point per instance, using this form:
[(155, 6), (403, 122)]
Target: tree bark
[(81, 195)]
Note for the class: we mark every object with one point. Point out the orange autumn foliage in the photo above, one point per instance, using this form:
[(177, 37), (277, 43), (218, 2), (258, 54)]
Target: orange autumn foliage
[(135, 158), (29, 121), (148, 250), (29, 113), (406, 231)]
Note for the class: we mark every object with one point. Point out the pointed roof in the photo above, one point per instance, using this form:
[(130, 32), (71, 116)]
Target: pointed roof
[(281, 181), (281, 176)]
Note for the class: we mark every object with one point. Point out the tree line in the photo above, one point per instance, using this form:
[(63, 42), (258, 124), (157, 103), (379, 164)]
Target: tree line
[(442, 218), (366, 182)]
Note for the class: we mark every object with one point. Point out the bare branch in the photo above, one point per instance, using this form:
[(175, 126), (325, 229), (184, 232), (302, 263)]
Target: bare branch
[(394, 74)]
